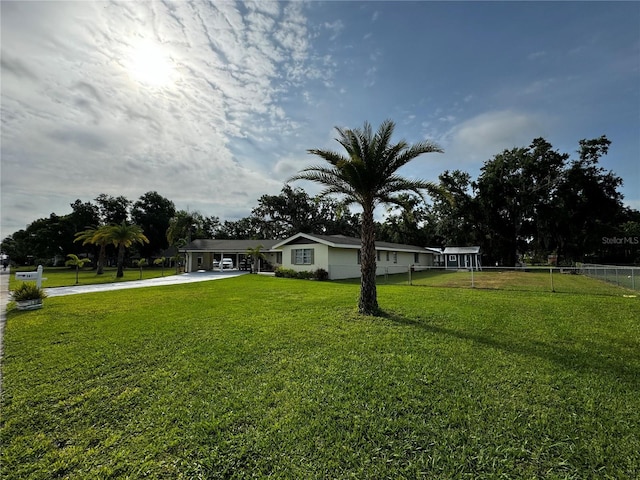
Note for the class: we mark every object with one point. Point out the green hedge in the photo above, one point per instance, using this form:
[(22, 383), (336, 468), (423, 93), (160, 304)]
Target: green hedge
[(319, 274)]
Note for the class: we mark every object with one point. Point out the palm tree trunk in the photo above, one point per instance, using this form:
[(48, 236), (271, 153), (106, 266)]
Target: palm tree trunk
[(368, 302), (101, 257), (120, 272)]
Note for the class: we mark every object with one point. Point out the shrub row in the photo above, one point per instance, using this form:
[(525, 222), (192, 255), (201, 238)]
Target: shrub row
[(320, 274)]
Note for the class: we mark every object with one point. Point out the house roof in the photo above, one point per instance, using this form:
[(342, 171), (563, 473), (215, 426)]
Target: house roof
[(337, 241), (222, 246), (460, 250), (341, 241)]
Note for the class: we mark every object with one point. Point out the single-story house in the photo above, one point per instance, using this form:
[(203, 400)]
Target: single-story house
[(340, 255), (461, 258), (205, 254)]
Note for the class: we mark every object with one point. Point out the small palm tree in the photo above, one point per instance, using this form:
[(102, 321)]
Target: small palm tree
[(256, 255), (140, 263), (122, 236), (160, 261), (75, 261), (367, 176)]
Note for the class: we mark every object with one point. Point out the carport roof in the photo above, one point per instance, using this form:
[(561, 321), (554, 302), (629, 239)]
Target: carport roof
[(214, 245)]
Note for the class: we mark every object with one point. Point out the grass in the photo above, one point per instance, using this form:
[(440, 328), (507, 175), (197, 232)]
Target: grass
[(256, 377), (66, 276), (540, 280)]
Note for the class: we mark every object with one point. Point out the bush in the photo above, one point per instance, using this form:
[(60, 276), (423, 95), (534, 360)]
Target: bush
[(285, 272), (289, 273), (321, 275), (28, 291)]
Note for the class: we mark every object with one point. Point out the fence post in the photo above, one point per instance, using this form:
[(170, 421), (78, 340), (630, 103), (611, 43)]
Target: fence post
[(551, 274)]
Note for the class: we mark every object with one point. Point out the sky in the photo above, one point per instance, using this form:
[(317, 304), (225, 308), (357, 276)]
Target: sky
[(213, 105)]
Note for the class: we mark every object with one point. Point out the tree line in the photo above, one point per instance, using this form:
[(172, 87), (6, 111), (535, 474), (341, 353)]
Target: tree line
[(526, 204)]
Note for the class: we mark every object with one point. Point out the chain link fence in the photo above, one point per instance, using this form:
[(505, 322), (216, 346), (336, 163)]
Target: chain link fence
[(528, 278), (626, 277)]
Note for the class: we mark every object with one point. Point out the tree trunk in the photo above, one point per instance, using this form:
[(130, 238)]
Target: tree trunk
[(120, 272), (101, 257), (368, 302)]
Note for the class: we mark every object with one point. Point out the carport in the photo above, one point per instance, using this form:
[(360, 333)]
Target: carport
[(200, 254)]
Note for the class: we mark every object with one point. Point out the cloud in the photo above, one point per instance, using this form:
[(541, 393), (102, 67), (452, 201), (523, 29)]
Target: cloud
[(73, 109), (336, 27), (536, 55), (471, 142), (479, 138)]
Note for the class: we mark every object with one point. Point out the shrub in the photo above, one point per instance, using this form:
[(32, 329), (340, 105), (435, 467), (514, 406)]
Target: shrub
[(321, 274), (285, 272), (304, 275), (289, 273), (28, 291)]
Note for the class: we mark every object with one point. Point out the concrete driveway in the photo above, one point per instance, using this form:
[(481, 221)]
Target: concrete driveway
[(200, 276)]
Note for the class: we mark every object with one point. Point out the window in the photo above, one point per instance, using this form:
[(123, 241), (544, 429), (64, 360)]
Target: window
[(395, 257), (378, 255), (302, 256), (359, 257), (387, 256), (416, 258), (453, 258)]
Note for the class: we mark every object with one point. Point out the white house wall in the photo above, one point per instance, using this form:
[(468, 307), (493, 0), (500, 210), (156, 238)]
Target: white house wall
[(344, 263), (320, 257)]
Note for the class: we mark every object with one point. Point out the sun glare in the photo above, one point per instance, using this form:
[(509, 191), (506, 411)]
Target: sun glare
[(150, 65)]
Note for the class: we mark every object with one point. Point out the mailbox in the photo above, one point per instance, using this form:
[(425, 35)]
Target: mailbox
[(37, 276), (26, 275)]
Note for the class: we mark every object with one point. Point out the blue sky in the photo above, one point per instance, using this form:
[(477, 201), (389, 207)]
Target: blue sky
[(214, 105)]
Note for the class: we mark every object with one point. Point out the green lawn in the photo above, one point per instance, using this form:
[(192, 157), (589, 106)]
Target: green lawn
[(533, 280), (256, 377), (66, 276)]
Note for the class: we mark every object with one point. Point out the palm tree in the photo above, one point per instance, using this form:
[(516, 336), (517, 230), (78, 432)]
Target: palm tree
[(179, 232), (255, 254), (92, 235), (140, 263), (367, 176), (160, 261), (122, 236), (75, 261)]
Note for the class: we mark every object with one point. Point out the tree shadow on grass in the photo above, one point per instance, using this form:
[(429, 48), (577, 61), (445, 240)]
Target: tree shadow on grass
[(598, 357)]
